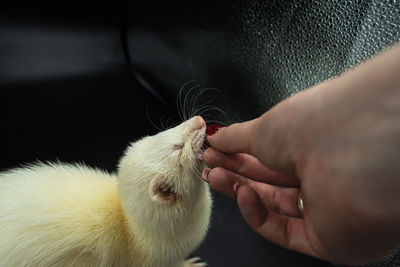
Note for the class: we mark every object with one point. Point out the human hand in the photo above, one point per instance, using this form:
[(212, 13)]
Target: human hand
[(337, 144)]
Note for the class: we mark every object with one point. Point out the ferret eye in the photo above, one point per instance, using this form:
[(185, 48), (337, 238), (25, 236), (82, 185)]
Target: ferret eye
[(164, 193), (178, 146)]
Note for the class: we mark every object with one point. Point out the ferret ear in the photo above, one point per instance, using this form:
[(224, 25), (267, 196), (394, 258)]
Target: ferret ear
[(163, 192)]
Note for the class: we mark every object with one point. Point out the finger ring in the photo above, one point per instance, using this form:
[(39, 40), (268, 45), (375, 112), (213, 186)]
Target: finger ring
[(300, 205)]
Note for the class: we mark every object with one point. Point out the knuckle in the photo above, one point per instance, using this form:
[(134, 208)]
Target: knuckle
[(239, 164), (276, 194)]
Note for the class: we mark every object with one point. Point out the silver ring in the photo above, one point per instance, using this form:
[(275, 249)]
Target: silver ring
[(300, 205)]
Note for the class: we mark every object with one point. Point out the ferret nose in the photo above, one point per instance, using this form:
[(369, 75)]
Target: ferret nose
[(198, 123)]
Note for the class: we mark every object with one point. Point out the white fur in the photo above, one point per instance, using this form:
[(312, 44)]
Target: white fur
[(71, 215)]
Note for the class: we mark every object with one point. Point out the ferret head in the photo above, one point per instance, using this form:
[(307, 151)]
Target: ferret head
[(159, 176)]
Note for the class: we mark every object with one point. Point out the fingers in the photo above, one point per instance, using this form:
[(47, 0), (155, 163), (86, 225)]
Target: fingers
[(291, 233), (236, 138), (222, 181), (281, 200), (247, 166), (264, 207), (270, 138)]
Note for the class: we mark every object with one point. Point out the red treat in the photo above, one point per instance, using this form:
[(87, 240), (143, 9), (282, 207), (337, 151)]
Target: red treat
[(213, 128)]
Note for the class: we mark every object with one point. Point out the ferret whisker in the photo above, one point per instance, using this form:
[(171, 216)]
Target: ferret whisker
[(197, 173), (210, 89), (173, 125), (191, 104), (218, 110), (180, 103), (207, 103), (208, 118), (184, 95), (216, 121), (168, 125), (162, 125), (208, 108), (216, 215), (201, 92), (150, 120), (200, 108), (211, 100), (185, 100), (196, 98)]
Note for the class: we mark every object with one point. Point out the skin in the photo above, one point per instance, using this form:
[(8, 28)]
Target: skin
[(338, 145)]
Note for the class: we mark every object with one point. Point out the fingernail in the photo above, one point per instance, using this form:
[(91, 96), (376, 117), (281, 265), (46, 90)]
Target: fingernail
[(235, 189), (200, 156), (213, 128), (205, 173)]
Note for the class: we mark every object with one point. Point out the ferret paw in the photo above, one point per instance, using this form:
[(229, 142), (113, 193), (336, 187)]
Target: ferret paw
[(194, 262)]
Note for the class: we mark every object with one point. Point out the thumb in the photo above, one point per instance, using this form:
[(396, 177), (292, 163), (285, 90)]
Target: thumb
[(236, 138), (266, 138)]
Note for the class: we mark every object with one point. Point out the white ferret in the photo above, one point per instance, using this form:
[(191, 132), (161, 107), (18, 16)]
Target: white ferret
[(153, 212)]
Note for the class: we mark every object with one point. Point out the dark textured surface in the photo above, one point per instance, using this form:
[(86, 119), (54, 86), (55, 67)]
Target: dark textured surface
[(69, 93), (259, 52)]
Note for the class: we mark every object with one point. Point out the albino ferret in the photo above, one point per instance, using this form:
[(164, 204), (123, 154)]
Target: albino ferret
[(153, 212)]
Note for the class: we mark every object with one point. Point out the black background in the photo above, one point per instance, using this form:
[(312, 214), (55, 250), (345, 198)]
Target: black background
[(79, 80)]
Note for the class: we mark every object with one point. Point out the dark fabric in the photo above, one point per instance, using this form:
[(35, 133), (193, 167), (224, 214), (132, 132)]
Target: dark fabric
[(80, 80), (392, 259)]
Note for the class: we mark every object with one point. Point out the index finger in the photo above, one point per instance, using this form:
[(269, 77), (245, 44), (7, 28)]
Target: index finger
[(248, 166)]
